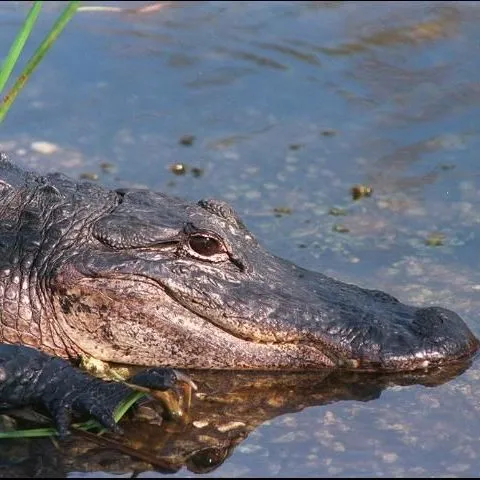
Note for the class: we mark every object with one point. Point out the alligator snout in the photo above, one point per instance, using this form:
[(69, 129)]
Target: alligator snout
[(431, 336), (440, 334), (372, 330), (343, 325)]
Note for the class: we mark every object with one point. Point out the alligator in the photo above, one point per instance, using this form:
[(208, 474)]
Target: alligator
[(137, 277)]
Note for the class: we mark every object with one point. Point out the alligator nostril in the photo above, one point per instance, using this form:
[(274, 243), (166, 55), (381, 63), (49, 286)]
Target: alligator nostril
[(444, 331), (428, 319), (439, 328)]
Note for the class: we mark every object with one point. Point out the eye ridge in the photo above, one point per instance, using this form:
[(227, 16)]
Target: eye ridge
[(205, 245)]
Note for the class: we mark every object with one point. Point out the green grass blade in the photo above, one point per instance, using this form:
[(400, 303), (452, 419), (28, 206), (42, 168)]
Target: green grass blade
[(52, 35), (30, 433), (18, 44), (121, 409), (125, 406)]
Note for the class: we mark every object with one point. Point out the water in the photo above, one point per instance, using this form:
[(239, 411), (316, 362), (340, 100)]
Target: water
[(289, 105)]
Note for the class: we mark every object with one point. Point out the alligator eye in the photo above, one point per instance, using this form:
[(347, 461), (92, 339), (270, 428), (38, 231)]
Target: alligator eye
[(205, 246)]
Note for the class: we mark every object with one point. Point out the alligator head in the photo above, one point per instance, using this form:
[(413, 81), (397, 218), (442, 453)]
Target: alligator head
[(159, 281)]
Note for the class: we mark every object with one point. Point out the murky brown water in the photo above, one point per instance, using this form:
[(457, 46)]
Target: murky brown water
[(289, 105)]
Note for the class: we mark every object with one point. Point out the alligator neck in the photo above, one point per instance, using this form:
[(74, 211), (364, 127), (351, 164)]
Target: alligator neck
[(44, 221)]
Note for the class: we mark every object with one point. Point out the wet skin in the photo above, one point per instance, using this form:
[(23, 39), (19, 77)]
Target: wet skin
[(141, 278)]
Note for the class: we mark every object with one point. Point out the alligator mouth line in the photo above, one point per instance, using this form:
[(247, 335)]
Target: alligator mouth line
[(323, 355), (322, 348)]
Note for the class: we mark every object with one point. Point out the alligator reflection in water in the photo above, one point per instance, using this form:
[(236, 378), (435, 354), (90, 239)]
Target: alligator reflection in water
[(225, 410)]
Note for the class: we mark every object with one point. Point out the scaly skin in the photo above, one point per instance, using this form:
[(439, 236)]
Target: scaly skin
[(137, 277)]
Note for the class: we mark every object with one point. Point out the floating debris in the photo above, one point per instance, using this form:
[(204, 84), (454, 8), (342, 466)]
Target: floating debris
[(435, 239), (197, 172), (337, 212), (178, 168), (446, 166), (360, 191), (186, 140), (329, 132), (107, 167), (182, 169), (89, 176), (46, 148), (280, 211), (295, 146), (339, 228), (154, 7)]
